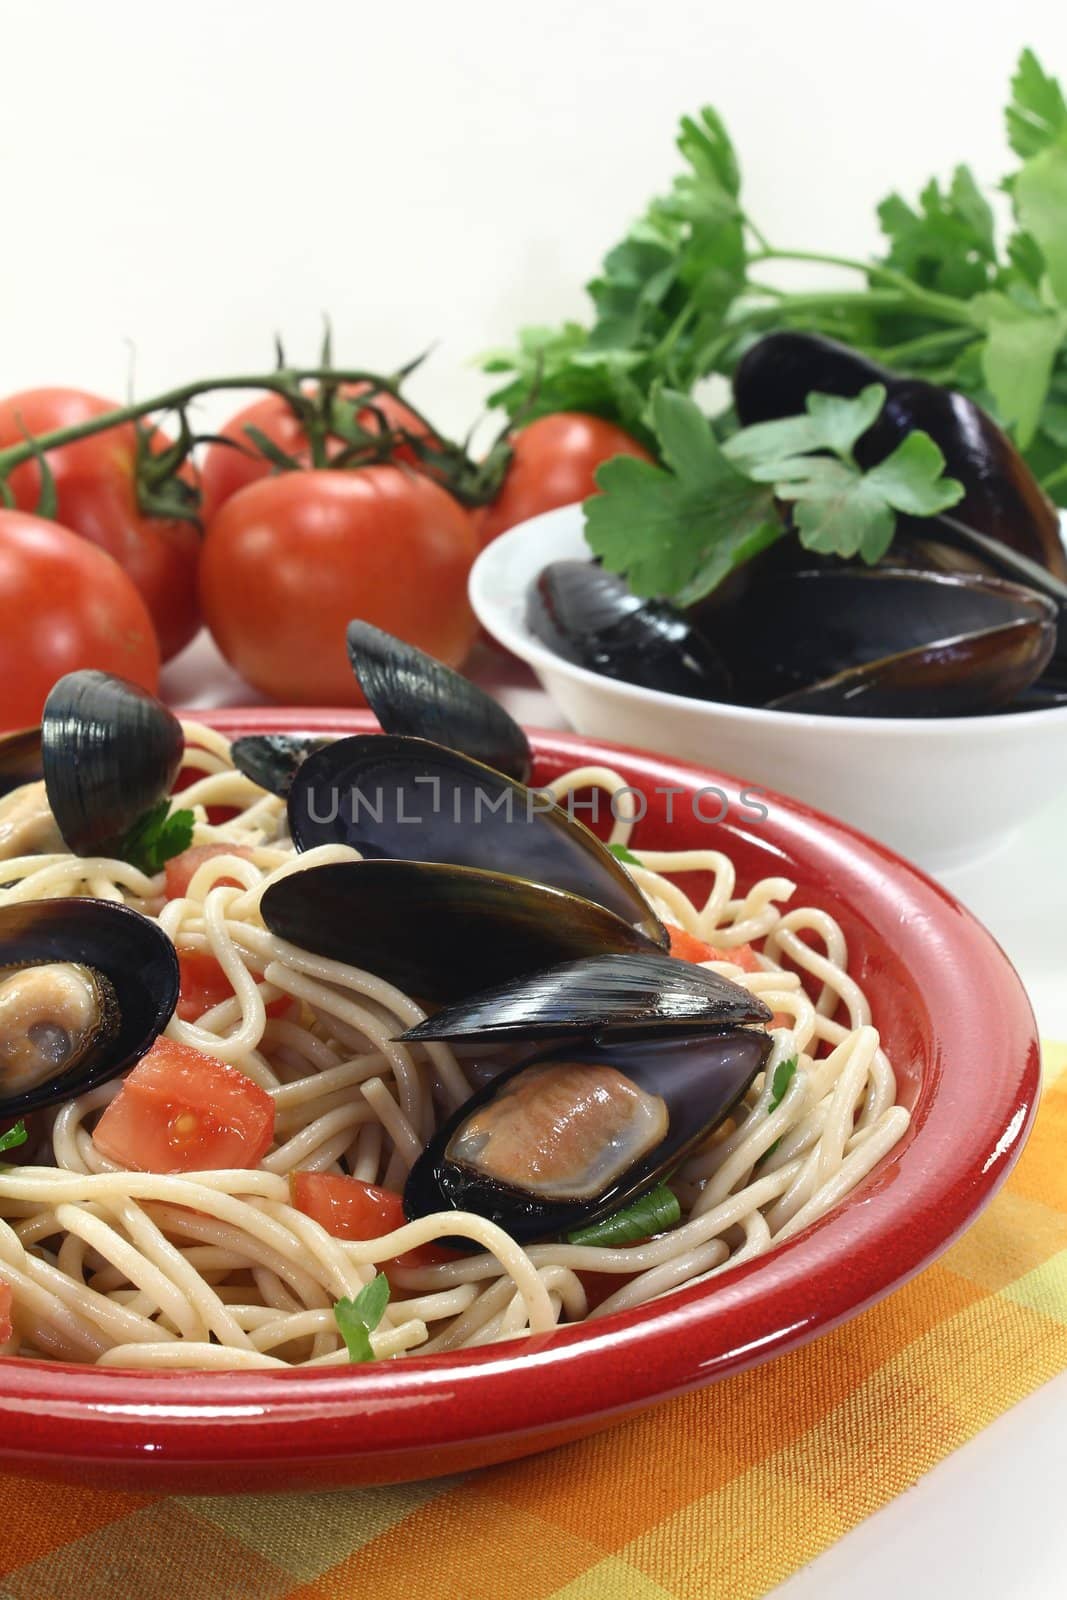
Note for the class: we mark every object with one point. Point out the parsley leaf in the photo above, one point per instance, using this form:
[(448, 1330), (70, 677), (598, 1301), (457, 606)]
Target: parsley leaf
[(678, 529), (14, 1136), (1037, 115), (651, 1213), (1017, 360), (357, 1318), (156, 837), (627, 857), (1039, 192), (784, 1073), (949, 243)]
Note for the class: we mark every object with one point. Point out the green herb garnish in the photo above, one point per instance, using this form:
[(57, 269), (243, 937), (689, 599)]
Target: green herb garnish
[(951, 298), (627, 857), (156, 837), (357, 1318), (677, 530), (14, 1136), (654, 1212), (784, 1073)]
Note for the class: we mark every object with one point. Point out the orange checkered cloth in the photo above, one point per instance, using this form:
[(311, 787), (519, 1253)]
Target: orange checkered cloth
[(724, 1492)]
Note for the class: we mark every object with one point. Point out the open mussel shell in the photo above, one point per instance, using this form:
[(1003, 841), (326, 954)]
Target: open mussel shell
[(59, 959), (110, 751), (439, 932), (596, 998), (412, 693), (1003, 500), (20, 758), (882, 642), (592, 618), (410, 800), (272, 759), (562, 1140)]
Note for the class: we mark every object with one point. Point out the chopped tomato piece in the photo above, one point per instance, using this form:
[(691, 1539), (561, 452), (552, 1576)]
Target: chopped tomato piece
[(351, 1209), (688, 948), (180, 869), (204, 984), (5, 1311), (182, 1111)]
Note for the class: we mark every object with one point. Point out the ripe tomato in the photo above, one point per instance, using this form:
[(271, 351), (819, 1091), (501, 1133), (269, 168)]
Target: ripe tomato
[(553, 465), (181, 869), (64, 604), (351, 1209), (226, 470), (182, 1111), (97, 497), (204, 984), (289, 561), (687, 947)]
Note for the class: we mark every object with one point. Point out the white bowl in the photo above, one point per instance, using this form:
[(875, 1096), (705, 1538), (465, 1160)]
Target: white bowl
[(942, 790)]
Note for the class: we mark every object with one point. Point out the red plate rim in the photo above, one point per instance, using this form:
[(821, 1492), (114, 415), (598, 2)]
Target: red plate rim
[(960, 1148)]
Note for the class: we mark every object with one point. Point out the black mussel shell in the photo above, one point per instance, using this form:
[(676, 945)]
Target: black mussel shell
[(887, 642), (412, 693), (110, 752), (132, 953), (20, 758), (409, 800), (1003, 499), (437, 931), (602, 997), (590, 616), (272, 759), (698, 1078)]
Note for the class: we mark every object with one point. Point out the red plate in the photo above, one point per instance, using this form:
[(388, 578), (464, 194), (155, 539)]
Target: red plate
[(957, 1025)]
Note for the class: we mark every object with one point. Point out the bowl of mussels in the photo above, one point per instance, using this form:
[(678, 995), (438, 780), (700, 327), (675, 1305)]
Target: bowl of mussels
[(889, 644)]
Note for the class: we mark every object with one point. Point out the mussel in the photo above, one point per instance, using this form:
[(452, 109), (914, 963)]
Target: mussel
[(565, 1138), (412, 693), (272, 759), (886, 642), (410, 800), (590, 616), (1003, 500), (20, 758), (599, 998), (85, 988), (109, 752), (436, 930)]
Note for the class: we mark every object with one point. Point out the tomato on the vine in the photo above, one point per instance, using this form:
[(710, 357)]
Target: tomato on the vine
[(64, 604), (96, 494), (226, 469), (290, 560), (553, 465)]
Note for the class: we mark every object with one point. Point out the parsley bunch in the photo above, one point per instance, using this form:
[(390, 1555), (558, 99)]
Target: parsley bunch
[(681, 296)]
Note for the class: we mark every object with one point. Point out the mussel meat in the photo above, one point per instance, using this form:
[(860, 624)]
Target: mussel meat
[(564, 1139), (410, 800), (598, 998), (85, 988), (1003, 499), (110, 751), (886, 642), (412, 693), (439, 931), (272, 759), (591, 617)]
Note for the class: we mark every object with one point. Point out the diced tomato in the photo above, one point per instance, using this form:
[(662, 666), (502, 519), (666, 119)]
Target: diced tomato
[(182, 1111), (351, 1209), (204, 984), (5, 1311), (688, 948), (180, 869)]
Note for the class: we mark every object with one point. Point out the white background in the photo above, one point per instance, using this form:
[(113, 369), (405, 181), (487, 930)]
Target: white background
[(183, 180), (186, 178)]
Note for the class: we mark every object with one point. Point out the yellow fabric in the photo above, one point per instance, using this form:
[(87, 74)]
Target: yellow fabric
[(717, 1496)]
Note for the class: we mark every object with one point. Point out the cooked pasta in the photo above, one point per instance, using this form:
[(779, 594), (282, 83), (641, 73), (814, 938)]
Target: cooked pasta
[(219, 1269)]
